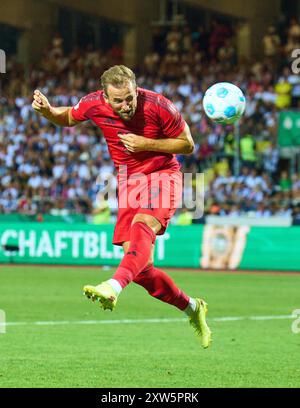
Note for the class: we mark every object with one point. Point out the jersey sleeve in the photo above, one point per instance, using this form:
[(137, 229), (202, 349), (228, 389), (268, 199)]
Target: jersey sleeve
[(172, 122), (80, 112)]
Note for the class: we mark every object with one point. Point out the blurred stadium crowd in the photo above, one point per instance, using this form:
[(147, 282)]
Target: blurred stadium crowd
[(48, 170)]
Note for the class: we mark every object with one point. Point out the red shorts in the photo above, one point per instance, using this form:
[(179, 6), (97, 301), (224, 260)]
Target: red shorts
[(158, 194)]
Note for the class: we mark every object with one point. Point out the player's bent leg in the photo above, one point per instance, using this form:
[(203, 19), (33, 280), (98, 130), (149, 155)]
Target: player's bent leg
[(162, 287), (136, 257)]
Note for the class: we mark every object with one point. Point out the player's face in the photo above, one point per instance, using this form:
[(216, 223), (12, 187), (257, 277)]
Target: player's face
[(123, 100)]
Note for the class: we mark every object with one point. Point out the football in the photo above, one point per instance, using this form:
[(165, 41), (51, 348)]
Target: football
[(224, 103)]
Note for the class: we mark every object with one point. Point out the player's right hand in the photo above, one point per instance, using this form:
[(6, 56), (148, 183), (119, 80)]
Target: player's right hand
[(40, 102)]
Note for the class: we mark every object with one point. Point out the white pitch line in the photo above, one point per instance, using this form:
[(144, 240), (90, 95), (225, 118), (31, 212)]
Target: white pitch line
[(273, 317), (138, 321)]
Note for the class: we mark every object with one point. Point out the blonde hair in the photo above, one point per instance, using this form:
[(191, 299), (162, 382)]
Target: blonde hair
[(117, 76)]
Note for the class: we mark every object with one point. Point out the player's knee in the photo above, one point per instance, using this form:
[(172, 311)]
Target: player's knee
[(149, 220)]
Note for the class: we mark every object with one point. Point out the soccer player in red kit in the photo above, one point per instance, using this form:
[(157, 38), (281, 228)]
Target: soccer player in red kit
[(144, 131)]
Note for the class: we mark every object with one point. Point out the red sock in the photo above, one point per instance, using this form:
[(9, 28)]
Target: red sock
[(161, 286), (141, 239)]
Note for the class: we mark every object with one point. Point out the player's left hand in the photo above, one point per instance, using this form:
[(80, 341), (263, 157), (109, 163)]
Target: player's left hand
[(134, 143)]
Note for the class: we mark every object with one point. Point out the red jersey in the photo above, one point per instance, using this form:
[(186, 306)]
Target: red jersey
[(155, 117)]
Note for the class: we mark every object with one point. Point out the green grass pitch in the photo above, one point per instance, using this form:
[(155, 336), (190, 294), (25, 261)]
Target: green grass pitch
[(69, 349)]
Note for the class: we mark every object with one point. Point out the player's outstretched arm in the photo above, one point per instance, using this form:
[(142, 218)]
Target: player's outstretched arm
[(59, 116), (183, 144)]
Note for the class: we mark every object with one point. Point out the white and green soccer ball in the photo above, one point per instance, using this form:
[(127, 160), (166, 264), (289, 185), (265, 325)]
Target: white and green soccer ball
[(224, 103)]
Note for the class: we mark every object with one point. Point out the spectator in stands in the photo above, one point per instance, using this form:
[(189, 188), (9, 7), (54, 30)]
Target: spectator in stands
[(283, 90), (248, 150), (270, 160), (271, 44), (220, 32), (285, 182), (227, 53), (294, 29), (173, 40)]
